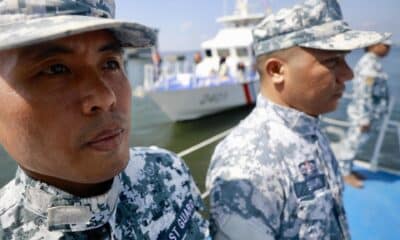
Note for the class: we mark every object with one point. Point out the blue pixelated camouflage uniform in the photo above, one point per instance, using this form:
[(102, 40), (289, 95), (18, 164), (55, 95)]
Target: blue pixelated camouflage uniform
[(155, 197), (369, 102), (275, 177)]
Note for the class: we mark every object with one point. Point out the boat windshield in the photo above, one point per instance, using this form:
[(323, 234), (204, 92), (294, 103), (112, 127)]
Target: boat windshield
[(223, 52), (242, 52)]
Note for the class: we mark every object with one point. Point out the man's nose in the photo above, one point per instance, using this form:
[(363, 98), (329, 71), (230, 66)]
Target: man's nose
[(97, 94), (345, 73)]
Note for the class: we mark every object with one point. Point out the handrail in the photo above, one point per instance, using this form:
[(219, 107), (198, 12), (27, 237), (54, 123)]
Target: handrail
[(398, 135), (336, 122), (378, 145)]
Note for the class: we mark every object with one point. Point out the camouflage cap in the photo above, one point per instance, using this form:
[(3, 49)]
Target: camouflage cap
[(388, 42), (27, 22), (314, 24)]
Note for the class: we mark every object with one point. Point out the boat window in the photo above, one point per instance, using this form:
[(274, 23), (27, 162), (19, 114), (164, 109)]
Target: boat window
[(242, 52), (208, 53), (223, 52)]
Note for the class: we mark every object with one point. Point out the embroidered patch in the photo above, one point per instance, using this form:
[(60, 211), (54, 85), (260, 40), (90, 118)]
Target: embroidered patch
[(305, 189), (313, 181), (308, 168), (178, 228)]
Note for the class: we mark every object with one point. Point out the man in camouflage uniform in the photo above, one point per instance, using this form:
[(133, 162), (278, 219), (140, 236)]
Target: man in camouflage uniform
[(274, 176), (65, 119), (368, 104)]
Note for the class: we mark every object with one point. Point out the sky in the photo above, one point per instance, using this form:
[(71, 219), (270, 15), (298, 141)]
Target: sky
[(184, 24)]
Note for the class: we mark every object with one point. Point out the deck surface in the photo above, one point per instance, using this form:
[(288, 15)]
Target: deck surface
[(374, 211)]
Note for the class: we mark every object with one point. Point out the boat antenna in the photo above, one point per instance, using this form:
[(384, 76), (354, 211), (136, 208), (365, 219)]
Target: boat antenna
[(224, 6), (241, 8), (267, 6)]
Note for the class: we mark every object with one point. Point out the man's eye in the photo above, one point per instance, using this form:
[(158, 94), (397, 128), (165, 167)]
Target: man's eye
[(56, 69), (111, 65), (331, 63)]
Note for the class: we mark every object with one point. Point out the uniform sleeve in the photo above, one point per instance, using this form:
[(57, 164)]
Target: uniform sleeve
[(372, 98), (199, 228), (370, 90), (170, 195), (1, 231), (370, 67), (241, 211), (364, 96), (184, 170), (246, 201)]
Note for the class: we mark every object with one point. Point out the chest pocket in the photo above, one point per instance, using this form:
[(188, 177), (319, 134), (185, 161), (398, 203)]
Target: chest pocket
[(317, 218), (313, 215)]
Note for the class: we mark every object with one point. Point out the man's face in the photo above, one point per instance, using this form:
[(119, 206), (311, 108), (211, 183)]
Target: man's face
[(315, 80), (197, 58), (382, 50), (66, 107)]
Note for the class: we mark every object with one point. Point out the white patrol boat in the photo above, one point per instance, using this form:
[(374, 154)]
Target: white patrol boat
[(185, 91)]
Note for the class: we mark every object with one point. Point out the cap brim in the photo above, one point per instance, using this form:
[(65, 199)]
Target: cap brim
[(34, 31), (388, 42), (348, 40)]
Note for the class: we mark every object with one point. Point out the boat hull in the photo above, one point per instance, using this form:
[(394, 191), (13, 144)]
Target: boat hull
[(187, 104)]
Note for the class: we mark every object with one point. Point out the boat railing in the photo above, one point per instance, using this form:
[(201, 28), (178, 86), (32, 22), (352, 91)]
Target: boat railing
[(153, 74), (386, 123), (184, 72)]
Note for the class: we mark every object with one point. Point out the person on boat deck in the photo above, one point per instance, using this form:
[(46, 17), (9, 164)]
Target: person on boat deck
[(241, 72), (369, 104), (66, 118), (197, 58), (157, 64), (223, 70), (274, 176), (207, 67)]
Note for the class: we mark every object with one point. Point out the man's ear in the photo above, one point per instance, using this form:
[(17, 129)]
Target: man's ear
[(275, 68)]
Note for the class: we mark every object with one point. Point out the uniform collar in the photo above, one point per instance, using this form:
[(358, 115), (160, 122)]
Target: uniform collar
[(298, 121), (66, 212), (372, 55)]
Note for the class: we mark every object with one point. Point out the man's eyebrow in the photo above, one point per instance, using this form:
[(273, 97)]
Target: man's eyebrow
[(115, 47), (342, 53), (334, 54), (43, 51), (49, 50)]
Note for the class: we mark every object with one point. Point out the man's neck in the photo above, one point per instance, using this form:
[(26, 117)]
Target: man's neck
[(278, 101), (271, 96), (83, 190)]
